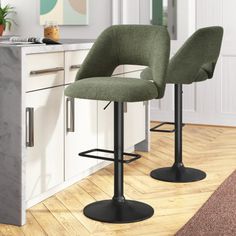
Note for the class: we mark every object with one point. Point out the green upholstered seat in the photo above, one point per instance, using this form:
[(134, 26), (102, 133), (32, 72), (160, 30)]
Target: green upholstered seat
[(195, 61), (114, 89), (119, 45)]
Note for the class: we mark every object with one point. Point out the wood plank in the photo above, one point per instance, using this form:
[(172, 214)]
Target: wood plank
[(71, 200), (9, 230), (65, 217), (32, 228), (47, 221)]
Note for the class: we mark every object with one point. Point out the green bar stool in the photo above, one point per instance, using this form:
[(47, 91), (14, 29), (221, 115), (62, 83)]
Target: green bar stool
[(119, 45), (194, 62)]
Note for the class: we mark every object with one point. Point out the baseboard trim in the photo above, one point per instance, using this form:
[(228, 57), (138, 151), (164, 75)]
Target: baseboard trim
[(66, 184), (197, 118)]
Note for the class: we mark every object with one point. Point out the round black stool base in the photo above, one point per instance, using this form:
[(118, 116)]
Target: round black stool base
[(178, 175), (111, 212)]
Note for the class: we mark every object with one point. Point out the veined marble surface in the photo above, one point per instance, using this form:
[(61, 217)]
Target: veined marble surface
[(66, 45), (11, 151)]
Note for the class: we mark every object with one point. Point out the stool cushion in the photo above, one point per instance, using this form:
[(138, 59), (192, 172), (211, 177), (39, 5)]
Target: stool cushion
[(113, 89)]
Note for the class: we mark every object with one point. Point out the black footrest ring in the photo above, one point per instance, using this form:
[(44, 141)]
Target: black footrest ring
[(155, 129), (89, 155)]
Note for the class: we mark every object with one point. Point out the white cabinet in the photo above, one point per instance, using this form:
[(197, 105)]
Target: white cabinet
[(106, 120), (80, 135), (45, 157), (105, 126), (134, 124)]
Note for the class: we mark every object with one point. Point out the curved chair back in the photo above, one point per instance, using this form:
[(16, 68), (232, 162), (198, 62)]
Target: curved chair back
[(129, 44), (195, 61)]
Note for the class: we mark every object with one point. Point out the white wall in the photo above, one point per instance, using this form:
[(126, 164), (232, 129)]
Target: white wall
[(100, 17)]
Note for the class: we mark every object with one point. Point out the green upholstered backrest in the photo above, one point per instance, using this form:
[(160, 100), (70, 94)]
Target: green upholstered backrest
[(196, 59), (129, 44)]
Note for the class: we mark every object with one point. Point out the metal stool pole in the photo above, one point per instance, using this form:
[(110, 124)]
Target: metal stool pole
[(118, 209)]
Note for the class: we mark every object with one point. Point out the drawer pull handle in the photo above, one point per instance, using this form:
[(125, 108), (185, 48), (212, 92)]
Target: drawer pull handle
[(70, 115), (74, 67), (29, 127), (46, 71)]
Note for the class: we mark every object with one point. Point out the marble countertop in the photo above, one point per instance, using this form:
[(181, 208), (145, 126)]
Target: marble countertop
[(66, 45), (76, 41)]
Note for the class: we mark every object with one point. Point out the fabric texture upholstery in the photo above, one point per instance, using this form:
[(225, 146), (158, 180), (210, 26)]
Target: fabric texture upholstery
[(195, 61), (114, 89), (119, 45)]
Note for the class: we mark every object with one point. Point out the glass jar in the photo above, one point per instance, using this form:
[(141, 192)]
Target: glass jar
[(51, 30)]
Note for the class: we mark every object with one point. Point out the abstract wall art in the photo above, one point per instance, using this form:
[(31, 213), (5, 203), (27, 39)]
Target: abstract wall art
[(64, 12)]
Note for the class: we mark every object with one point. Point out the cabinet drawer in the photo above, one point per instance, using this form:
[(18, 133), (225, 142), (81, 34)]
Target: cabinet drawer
[(44, 70), (82, 114), (73, 61)]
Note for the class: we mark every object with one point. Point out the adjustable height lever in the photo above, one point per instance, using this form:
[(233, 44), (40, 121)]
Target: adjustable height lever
[(107, 105), (125, 106)]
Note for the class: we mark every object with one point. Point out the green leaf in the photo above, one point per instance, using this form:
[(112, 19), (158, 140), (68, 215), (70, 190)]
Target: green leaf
[(4, 16)]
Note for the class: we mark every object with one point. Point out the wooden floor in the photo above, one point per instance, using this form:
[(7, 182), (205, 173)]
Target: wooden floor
[(212, 149)]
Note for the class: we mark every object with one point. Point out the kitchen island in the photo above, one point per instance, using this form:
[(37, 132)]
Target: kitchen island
[(42, 131)]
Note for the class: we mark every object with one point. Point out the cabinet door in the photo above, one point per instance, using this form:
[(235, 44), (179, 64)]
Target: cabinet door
[(81, 135), (44, 135), (106, 120), (73, 62), (80, 122), (105, 126), (134, 124)]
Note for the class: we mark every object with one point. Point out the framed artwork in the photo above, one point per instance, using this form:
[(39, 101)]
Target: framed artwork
[(64, 12)]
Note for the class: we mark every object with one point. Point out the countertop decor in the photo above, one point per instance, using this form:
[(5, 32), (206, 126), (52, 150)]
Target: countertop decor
[(6, 20)]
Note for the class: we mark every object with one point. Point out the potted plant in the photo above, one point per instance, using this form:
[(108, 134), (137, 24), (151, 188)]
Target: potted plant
[(5, 20)]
